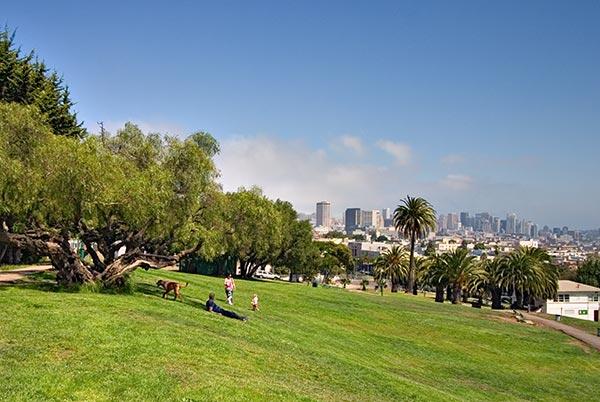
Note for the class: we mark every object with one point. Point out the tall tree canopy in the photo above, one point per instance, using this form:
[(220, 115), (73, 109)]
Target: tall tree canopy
[(154, 196), (414, 218), (26, 80)]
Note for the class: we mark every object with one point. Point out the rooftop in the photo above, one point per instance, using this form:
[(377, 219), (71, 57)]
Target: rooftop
[(570, 286)]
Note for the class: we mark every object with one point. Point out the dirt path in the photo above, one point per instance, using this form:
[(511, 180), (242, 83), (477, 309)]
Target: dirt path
[(20, 273), (589, 339)]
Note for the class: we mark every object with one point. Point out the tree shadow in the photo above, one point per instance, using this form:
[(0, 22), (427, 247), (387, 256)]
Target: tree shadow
[(155, 291)]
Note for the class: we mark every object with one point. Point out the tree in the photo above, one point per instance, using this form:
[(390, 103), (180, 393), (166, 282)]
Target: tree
[(460, 268), (414, 218), (256, 234), (392, 265), (436, 276), (334, 259), (531, 274), (26, 80), (589, 272), (155, 198)]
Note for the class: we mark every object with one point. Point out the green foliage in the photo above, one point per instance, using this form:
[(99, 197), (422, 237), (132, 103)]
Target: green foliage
[(26, 80), (589, 272), (392, 264), (414, 218), (333, 259)]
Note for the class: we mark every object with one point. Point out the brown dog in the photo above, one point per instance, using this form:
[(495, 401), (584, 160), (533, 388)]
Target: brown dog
[(168, 286)]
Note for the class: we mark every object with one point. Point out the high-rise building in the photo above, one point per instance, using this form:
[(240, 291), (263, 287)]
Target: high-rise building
[(352, 219), (495, 224), (534, 231), (386, 213), (465, 220), (371, 219), (511, 223), (452, 221), (324, 214), (442, 223)]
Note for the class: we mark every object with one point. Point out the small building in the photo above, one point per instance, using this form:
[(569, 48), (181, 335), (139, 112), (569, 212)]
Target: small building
[(575, 300)]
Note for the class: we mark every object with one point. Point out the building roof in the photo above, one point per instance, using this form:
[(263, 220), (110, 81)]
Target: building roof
[(570, 286)]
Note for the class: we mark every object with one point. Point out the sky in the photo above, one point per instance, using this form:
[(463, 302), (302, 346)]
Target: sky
[(476, 106)]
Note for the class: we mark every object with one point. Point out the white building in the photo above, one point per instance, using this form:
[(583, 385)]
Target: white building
[(575, 300), (324, 214)]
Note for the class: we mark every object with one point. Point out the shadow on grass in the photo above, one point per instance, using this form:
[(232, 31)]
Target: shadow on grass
[(153, 290)]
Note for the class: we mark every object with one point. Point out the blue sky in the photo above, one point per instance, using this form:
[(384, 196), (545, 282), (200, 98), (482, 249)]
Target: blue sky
[(478, 106)]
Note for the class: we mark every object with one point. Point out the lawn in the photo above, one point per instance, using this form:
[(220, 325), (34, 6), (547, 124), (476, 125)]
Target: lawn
[(305, 344)]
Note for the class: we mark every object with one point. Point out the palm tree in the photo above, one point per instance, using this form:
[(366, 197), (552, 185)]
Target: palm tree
[(531, 273), (460, 268), (436, 276), (391, 264), (490, 281), (414, 218)]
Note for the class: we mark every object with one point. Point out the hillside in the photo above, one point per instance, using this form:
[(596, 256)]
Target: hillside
[(304, 344)]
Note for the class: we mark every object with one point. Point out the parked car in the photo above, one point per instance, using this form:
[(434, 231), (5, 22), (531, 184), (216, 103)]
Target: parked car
[(266, 275)]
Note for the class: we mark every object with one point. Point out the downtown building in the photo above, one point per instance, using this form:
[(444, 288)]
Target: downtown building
[(323, 214)]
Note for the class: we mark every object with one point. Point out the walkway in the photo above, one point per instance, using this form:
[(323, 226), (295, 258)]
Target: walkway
[(18, 274), (587, 338)]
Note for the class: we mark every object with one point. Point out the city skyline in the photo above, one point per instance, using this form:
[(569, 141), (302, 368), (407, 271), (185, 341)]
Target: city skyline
[(469, 105)]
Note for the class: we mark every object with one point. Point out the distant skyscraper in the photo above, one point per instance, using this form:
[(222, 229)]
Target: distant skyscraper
[(352, 219), (464, 219), (442, 223), (452, 222), (511, 223), (534, 231), (495, 224), (324, 214), (386, 213)]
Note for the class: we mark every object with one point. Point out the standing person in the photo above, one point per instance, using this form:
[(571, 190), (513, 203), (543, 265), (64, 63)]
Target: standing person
[(229, 288), (255, 302), (213, 307)]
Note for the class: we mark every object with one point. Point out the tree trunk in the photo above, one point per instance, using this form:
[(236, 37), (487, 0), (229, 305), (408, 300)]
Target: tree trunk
[(411, 264), (518, 304), (439, 293), (455, 294), (448, 293), (395, 286), (496, 298), (415, 289), (465, 296)]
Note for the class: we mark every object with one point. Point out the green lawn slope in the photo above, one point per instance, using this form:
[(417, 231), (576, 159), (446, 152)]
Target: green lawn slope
[(304, 344)]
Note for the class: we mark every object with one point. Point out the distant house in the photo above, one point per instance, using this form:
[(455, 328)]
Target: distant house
[(575, 300)]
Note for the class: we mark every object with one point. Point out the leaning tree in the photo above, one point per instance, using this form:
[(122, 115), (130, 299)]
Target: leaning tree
[(132, 200)]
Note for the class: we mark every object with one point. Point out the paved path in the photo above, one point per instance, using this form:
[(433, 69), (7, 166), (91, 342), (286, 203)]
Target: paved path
[(20, 273), (589, 339)]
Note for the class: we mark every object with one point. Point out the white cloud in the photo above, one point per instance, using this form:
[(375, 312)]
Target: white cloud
[(457, 182), (292, 171), (452, 159), (401, 152), (353, 143)]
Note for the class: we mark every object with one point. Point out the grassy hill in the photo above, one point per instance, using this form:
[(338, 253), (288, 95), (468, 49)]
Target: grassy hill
[(304, 344)]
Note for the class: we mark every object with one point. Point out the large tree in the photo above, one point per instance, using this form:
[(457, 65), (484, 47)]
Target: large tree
[(133, 200), (589, 272), (26, 80), (414, 218)]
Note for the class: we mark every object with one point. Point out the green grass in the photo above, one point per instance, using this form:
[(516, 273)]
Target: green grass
[(305, 344), (585, 325)]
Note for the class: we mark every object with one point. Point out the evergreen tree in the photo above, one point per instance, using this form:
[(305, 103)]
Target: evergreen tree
[(26, 80)]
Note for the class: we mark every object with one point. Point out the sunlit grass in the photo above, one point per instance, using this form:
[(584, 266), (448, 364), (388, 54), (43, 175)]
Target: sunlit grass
[(305, 344)]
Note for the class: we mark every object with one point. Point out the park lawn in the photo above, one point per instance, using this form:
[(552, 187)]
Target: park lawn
[(588, 326), (305, 344)]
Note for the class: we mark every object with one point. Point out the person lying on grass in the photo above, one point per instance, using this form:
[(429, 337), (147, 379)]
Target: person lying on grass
[(213, 307)]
